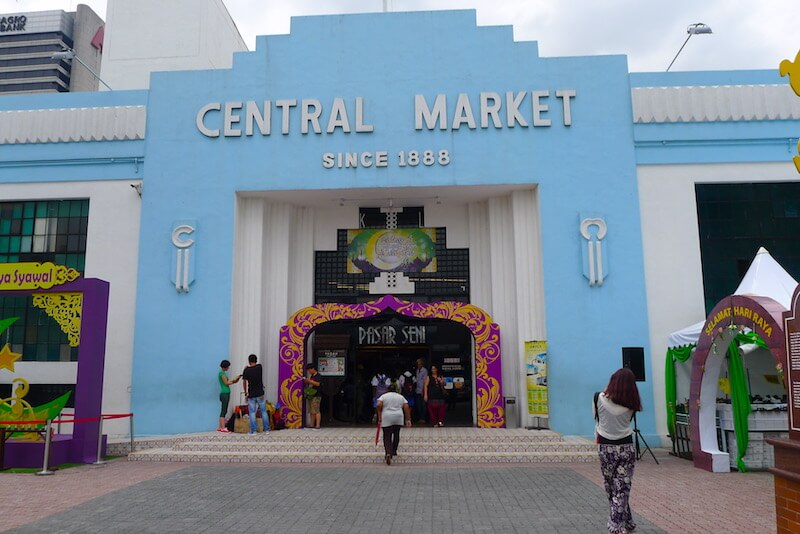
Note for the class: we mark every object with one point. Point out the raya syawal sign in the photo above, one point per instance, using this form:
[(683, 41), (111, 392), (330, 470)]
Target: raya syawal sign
[(481, 111)]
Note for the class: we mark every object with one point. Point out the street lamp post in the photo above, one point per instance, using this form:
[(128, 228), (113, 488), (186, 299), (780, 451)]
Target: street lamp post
[(693, 29), (69, 53)]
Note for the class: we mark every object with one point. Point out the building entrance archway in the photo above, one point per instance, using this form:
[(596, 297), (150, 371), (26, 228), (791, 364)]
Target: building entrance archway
[(488, 371)]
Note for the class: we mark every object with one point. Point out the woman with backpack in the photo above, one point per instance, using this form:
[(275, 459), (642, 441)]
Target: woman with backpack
[(613, 410)]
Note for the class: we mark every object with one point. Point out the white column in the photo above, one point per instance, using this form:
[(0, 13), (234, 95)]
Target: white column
[(246, 313), (275, 294), (301, 274), (480, 265), (504, 299), (529, 283)]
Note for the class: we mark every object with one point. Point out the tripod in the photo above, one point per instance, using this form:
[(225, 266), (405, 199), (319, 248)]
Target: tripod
[(638, 436)]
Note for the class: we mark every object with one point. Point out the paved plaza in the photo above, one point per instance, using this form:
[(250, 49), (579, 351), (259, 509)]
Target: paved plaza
[(178, 497)]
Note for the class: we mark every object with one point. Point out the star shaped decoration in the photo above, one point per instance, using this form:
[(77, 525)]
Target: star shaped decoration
[(7, 358)]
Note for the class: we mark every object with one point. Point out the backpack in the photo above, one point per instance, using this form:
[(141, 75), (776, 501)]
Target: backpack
[(277, 420), (381, 388), (230, 424), (408, 387)]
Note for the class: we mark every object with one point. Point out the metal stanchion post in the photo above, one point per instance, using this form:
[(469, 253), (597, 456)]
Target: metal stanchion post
[(99, 441), (45, 463), (133, 449)]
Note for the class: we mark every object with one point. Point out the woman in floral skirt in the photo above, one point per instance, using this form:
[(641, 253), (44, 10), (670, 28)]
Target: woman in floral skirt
[(613, 411)]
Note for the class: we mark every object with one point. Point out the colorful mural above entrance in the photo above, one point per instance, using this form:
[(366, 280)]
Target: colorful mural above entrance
[(488, 373), (404, 250)]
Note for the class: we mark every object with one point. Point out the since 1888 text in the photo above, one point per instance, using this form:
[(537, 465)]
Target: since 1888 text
[(380, 158)]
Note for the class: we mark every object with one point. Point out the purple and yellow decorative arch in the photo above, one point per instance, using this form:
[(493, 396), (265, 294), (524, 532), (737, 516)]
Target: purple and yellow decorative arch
[(488, 372), (763, 316)]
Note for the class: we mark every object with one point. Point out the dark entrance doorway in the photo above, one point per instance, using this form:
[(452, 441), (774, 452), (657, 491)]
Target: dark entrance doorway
[(351, 354)]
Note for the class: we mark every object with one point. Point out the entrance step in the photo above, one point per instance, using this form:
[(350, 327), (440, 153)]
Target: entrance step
[(357, 446)]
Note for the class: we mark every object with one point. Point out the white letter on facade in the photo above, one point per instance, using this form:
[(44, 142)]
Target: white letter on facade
[(338, 118), (285, 106), (439, 112), (493, 110), (231, 119), (566, 94), (252, 113), (539, 108), (360, 126), (306, 115), (463, 113), (201, 115), (512, 109)]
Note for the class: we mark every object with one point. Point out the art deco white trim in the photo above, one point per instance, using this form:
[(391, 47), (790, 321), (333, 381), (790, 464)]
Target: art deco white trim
[(714, 103), (182, 260), (119, 123), (594, 249)]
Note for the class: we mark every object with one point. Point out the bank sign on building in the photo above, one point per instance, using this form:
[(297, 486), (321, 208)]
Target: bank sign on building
[(367, 190)]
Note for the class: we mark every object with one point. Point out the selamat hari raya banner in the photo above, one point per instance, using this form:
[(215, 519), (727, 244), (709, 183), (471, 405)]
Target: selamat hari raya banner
[(402, 250)]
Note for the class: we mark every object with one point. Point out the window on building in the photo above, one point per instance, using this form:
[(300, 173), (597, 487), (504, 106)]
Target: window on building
[(735, 220), (40, 231)]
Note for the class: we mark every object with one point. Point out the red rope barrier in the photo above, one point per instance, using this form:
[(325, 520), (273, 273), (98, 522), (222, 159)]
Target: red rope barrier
[(83, 420)]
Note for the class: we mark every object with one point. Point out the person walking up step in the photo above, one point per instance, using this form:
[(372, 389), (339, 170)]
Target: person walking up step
[(393, 412)]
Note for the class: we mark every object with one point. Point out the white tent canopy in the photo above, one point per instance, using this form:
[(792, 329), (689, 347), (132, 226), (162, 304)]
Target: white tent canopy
[(764, 278)]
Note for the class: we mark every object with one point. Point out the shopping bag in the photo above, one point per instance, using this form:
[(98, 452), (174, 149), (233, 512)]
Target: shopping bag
[(242, 425)]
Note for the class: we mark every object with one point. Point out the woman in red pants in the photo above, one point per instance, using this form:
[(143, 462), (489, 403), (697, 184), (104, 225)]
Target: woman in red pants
[(434, 395)]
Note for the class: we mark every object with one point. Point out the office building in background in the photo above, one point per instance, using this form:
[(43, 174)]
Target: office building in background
[(29, 40)]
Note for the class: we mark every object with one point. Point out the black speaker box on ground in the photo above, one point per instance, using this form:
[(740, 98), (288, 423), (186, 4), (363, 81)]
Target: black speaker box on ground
[(633, 359)]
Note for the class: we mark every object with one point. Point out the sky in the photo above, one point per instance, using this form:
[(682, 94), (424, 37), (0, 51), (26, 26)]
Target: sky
[(747, 34)]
